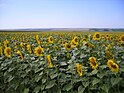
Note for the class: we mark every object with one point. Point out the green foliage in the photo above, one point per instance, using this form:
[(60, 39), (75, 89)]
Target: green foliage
[(32, 75)]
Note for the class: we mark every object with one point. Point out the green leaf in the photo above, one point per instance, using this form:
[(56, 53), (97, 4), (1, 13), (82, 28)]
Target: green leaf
[(83, 56), (95, 81), (63, 63), (105, 87), (26, 90), (41, 74), (94, 72), (37, 89), (68, 87), (38, 69), (103, 66), (122, 57), (76, 52), (42, 87), (50, 84), (10, 78), (53, 76), (37, 78), (85, 84), (81, 89), (10, 69), (115, 81), (101, 75), (43, 80)]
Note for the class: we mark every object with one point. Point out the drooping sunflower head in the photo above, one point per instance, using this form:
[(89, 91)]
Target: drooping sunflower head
[(7, 52), (79, 69), (113, 66), (51, 39), (37, 37), (93, 62), (20, 54), (122, 38), (29, 48), (73, 43), (97, 36), (1, 51), (67, 46), (75, 39), (50, 64), (90, 45), (39, 51)]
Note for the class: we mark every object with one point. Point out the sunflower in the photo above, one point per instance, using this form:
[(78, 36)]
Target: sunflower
[(20, 54), (122, 38), (122, 44), (97, 36), (56, 47), (73, 43), (29, 48), (7, 52), (1, 51), (113, 66), (50, 64), (93, 62), (6, 42), (67, 46), (90, 45), (50, 40), (79, 69), (39, 51), (75, 39), (37, 37)]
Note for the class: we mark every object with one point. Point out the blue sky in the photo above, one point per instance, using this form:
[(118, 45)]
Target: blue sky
[(61, 14)]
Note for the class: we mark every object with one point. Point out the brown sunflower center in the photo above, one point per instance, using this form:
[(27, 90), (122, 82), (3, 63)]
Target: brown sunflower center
[(8, 51), (122, 44), (75, 39), (97, 35), (39, 51), (93, 63), (68, 46), (51, 39), (122, 38), (114, 66)]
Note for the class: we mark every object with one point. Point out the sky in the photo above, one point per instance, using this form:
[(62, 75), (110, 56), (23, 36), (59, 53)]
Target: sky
[(17, 14)]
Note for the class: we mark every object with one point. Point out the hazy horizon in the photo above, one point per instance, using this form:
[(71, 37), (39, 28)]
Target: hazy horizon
[(24, 14)]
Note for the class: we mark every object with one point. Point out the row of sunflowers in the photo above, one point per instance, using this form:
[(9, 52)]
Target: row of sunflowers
[(61, 62)]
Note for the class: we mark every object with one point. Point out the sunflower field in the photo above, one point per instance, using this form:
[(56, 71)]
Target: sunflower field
[(61, 62)]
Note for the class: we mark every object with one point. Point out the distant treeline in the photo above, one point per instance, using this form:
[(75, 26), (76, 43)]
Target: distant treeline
[(105, 29)]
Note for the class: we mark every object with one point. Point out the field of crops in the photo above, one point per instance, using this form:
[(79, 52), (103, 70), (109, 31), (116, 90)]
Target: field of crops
[(61, 62)]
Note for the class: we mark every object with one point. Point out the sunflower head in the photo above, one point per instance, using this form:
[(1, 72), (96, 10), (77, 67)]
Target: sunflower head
[(67, 46), (1, 51), (7, 52), (74, 44), (20, 54), (97, 36), (75, 39), (113, 66), (29, 48), (79, 69), (93, 62), (50, 64), (37, 37), (122, 38), (50, 39), (90, 45), (39, 51)]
